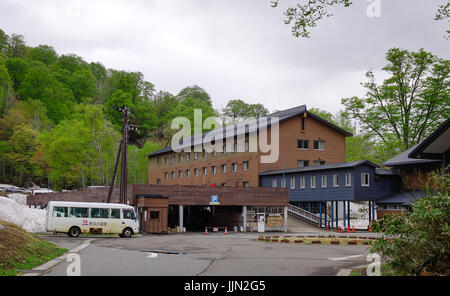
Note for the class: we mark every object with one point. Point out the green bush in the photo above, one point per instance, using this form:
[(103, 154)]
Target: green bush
[(422, 236)]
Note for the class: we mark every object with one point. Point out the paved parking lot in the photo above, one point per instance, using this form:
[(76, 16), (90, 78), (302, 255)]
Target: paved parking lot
[(194, 254)]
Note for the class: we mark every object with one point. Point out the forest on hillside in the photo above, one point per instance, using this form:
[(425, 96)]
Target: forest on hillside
[(60, 124)]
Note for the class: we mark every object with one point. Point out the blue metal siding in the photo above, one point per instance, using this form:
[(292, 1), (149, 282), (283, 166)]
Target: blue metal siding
[(383, 186)]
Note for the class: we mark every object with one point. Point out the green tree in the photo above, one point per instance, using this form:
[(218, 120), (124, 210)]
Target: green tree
[(118, 99), (40, 84), (43, 53), (16, 46), (3, 42), (194, 92), (420, 237), (5, 83), (409, 104), (23, 145), (17, 69), (239, 109)]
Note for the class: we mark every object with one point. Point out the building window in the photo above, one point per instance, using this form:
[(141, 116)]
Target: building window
[(324, 181), (247, 146), (180, 158), (274, 183), (158, 181), (180, 174), (213, 170), (234, 167), (154, 215), (335, 180), (188, 156), (173, 175), (204, 153), (302, 163), (167, 160), (235, 147), (214, 153), (195, 155), (224, 169), (224, 149), (223, 184), (348, 179), (196, 172), (204, 171), (365, 180), (293, 183), (166, 176), (188, 173), (302, 182), (319, 162), (173, 159), (245, 165), (303, 144), (313, 181), (283, 182), (245, 184), (319, 145), (159, 160)]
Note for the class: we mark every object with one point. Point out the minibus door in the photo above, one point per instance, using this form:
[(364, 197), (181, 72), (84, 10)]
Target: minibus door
[(116, 221)]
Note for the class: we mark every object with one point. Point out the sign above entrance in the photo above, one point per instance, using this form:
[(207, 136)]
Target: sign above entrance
[(214, 200)]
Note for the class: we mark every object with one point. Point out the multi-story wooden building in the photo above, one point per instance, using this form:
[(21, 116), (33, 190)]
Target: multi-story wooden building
[(304, 140)]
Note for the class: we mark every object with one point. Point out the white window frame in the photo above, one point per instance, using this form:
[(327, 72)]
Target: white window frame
[(274, 182), (196, 172), (336, 180), (166, 176), (224, 168), (324, 178), (195, 155), (363, 179), (320, 146), (213, 170), (205, 171), (348, 179), (243, 165), (313, 182), (188, 173), (292, 182), (234, 167), (302, 182)]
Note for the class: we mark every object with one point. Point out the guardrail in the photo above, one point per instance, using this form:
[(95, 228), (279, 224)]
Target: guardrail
[(306, 216)]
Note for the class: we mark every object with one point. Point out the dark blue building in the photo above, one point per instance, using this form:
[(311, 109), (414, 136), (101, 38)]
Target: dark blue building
[(330, 188)]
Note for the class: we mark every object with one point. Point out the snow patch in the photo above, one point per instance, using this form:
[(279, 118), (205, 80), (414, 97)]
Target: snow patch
[(20, 198), (32, 220)]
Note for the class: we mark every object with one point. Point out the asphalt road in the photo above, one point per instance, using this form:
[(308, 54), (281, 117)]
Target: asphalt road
[(206, 255)]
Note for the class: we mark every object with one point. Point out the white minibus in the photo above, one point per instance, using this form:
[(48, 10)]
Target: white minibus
[(75, 218)]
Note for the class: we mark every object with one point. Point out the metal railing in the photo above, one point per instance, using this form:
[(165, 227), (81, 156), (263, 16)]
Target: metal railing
[(306, 216)]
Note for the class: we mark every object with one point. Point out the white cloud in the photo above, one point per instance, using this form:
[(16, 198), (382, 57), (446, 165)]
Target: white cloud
[(233, 49)]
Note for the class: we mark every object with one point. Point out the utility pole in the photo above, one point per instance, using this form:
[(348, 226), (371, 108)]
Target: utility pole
[(122, 154)]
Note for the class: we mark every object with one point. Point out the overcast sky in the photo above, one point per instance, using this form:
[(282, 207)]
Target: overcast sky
[(234, 49)]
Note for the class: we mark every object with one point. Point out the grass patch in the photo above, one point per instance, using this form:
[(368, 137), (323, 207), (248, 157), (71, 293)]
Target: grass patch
[(22, 250), (386, 270)]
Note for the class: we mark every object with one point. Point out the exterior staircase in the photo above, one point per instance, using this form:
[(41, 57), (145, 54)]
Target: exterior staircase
[(305, 216)]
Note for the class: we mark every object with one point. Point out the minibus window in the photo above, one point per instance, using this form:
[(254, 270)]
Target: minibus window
[(99, 213), (128, 214), (60, 212), (115, 214), (79, 212)]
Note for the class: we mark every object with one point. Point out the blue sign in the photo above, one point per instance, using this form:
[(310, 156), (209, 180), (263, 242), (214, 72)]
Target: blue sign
[(214, 200)]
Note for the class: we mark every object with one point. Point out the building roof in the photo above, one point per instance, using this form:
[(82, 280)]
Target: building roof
[(332, 166), (404, 198), (436, 145), (281, 115), (404, 159), (385, 172)]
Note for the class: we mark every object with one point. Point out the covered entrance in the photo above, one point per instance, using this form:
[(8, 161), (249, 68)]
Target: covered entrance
[(194, 218)]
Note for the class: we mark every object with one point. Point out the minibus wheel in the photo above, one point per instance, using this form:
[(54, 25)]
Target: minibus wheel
[(74, 231), (127, 232)]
